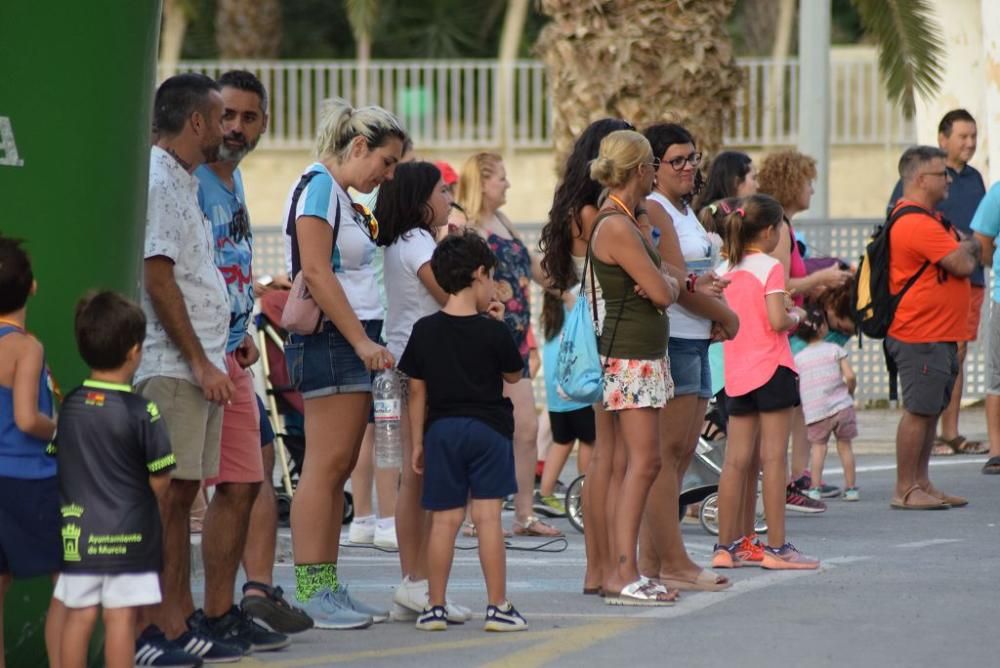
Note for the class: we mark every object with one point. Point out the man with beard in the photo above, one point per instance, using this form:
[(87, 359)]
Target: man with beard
[(241, 468), (183, 357)]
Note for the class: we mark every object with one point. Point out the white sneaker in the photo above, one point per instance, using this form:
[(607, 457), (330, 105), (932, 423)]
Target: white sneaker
[(362, 531), (411, 597), (814, 494), (384, 535)]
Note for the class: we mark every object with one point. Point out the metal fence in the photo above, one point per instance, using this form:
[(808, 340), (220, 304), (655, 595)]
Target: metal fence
[(844, 239), (456, 104)]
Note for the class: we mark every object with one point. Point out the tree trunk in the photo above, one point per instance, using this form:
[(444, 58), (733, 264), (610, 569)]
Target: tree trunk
[(510, 40), (175, 20), (248, 29), (642, 60)]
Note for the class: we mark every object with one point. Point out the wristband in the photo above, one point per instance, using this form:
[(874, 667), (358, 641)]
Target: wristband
[(689, 283)]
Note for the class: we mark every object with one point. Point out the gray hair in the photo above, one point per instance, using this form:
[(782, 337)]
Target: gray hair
[(914, 157), (340, 123)]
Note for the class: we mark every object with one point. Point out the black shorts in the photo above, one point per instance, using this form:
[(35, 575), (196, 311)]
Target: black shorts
[(30, 527), (464, 456), (266, 430), (779, 393), (571, 426)]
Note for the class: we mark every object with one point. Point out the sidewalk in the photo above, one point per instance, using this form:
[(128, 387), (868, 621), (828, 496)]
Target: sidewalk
[(877, 429)]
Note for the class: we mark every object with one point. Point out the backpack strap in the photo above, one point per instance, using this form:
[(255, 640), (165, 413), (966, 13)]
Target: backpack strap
[(893, 217), (292, 218)]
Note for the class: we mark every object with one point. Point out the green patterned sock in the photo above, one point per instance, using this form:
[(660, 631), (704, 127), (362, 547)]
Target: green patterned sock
[(311, 578), (332, 581)]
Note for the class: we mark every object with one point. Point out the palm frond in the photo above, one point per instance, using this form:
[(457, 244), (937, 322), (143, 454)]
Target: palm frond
[(910, 52)]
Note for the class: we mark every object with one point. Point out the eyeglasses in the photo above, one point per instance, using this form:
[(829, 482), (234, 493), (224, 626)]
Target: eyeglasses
[(678, 163), (239, 225), (941, 173), (655, 164), (364, 217)]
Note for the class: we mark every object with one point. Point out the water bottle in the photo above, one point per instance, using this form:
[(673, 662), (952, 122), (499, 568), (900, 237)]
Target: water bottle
[(386, 395)]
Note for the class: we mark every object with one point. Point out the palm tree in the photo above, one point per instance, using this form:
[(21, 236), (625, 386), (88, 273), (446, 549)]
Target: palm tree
[(650, 60), (362, 15), (248, 29)]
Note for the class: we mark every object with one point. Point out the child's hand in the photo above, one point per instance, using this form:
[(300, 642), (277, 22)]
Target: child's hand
[(495, 310), (418, 458)]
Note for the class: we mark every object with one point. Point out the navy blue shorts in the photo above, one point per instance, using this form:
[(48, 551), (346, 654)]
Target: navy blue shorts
[(689, 367), (266, 430), (463, 456), (325, 363), (30, 527)]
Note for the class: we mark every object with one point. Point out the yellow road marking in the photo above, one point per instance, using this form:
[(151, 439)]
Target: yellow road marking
[(562, 642)]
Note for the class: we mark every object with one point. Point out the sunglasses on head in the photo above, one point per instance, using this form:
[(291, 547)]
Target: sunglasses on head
[(366, 219)]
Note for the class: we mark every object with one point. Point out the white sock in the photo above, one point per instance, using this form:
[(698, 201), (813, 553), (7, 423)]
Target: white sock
[(385, 523), (364, 521)]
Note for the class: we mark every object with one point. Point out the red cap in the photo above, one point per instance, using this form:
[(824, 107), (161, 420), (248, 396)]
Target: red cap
[(447, 173)]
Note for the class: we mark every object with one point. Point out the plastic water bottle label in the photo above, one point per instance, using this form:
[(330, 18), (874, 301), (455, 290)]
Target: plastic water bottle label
[(387, 410)]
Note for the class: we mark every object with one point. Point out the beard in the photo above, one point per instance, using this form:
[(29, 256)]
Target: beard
[(236, 154), (211, 152)]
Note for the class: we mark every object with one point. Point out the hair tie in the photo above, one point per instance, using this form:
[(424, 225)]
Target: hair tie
[(714, 209), (725, 207), (741, 212)]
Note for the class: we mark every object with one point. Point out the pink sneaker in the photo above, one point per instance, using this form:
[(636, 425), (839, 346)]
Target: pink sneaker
[(787, 558)]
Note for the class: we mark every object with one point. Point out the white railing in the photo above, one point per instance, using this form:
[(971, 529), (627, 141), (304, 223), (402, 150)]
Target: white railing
[(455, 104)]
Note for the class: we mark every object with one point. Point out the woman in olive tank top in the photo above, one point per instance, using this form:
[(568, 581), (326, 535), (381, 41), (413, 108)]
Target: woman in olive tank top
[(633, 346)]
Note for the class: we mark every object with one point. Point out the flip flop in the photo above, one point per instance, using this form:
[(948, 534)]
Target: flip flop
[(642, 593), (901, 504), (992, 466), (706, 580)]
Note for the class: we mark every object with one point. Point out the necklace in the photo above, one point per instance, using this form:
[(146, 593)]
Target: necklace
[(624, 208)]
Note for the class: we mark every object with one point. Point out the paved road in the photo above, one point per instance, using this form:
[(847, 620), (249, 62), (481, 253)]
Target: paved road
[(896, 588)]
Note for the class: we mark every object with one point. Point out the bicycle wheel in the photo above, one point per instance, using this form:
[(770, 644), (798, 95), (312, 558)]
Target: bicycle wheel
[(574, 503), (709, 514)]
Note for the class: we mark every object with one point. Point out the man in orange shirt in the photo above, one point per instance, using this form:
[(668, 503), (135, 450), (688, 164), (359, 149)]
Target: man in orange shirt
[(929, 322)]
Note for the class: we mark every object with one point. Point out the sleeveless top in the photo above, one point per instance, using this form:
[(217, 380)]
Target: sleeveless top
[(513, 281), (639, 328), (796, 263), (696, 247), (23, 456)]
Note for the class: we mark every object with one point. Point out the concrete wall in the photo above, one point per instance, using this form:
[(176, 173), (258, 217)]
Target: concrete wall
[(861, 179)]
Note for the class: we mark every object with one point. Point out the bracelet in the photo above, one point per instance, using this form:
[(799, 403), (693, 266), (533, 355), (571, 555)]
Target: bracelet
[(689, 283)]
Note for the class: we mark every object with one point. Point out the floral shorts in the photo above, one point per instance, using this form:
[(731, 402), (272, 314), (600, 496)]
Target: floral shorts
[(636, 383)]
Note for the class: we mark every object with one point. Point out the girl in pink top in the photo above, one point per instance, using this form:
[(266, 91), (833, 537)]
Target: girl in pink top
[(761, 383)]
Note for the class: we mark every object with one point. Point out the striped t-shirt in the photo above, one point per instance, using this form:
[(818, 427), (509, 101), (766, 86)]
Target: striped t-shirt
[(821, 384)]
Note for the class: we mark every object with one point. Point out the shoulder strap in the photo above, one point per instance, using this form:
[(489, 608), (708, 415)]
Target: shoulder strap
[(292, 217), (590, 249), (893, 217)]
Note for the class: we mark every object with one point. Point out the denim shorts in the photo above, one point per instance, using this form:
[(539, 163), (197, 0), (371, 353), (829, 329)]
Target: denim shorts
[(689, 367), (325, 363)]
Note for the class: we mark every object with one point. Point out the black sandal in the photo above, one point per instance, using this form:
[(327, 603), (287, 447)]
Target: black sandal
[(273, 609), (992, 466)]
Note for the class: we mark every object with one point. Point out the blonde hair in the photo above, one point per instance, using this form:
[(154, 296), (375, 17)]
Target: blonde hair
[(620, 153), (469, 193), (340, 123)]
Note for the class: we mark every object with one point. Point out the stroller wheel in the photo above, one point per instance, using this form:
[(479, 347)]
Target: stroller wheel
[(574, 503), (348, 507), (709, 514)]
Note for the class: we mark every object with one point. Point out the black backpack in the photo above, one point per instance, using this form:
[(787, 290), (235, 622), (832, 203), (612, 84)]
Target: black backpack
[(874, 304)]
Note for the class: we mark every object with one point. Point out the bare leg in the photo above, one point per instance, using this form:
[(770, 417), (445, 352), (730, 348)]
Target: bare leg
[(800, 445), (740, 452), (774, 429), (175, 577), (76, 637), (619, 464), (258, 555), (949, 418), (819, 451), (993, 423), (363, 475), (119, 640), (412, 521), (595, 495), (225, 536), (912, 436), (522, 396), (492, 552), (554, 463), (583, 452), (749, 509), (441, 551), (640, 431), (386, 488), (846, 454), (335, 426), (55, 619)]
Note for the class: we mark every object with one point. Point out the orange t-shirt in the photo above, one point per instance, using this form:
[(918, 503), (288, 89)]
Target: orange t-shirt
[(936, 308)]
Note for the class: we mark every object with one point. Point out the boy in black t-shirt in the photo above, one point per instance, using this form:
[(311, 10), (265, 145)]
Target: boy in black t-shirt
[(114, 462), (457, 361)]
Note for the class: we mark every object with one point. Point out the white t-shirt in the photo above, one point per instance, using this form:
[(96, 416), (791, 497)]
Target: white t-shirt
[(353, 258), (176, 228), (697, 249), (592, 290), (408, 298)]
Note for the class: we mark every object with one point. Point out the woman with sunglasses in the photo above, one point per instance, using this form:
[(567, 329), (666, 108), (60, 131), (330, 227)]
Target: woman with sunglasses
[(564, 243), (332, 242), (695, 319), (482, 191)]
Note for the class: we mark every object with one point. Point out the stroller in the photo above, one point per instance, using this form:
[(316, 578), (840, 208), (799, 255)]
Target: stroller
[(700, 483), (285, 405)]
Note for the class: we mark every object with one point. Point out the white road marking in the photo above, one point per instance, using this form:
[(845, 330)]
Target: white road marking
[(927, 543), (870, 468)]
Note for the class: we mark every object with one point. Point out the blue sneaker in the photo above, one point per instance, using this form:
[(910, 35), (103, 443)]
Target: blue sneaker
[(504, 618), (153, 649), (329, 612), (346, 600), (208, 649), (433, 619)]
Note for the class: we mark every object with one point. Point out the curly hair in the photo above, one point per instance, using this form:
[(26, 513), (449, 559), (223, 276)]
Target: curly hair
[(783, 174), (575, 191)]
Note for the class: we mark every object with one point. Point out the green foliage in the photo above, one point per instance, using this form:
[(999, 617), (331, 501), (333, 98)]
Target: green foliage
[(910, 51)]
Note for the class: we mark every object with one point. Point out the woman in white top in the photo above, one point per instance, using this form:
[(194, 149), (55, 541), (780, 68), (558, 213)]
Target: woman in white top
[(333, 245), (694, 321), (411, 209)]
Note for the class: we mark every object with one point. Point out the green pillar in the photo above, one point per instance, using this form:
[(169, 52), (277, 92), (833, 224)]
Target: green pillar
[(75, 109)]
